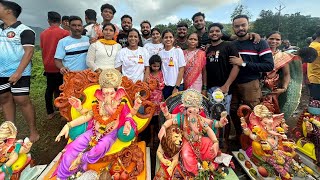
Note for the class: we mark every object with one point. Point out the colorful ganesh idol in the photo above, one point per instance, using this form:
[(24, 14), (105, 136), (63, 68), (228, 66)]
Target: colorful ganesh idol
[(110, 118), (199, 142), (269, 145), (13, 153)]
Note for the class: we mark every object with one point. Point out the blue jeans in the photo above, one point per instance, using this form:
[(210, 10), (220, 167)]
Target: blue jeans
[(167, 90), (314, 91)]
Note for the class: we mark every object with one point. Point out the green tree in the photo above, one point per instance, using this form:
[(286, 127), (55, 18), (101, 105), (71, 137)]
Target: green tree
[(240, 9), (263, 25), (295, 27)]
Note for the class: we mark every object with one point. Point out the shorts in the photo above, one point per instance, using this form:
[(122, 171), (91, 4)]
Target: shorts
[(21, 88)]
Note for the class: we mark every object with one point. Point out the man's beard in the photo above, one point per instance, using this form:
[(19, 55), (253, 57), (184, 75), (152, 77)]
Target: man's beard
[(146, 33), (241, 35), (215, 40), (126, 29), (181, 37), (199, 29)]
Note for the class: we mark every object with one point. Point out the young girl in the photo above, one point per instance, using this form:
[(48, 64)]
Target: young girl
[(157, 76), (173, 64), (156, 45), (156, 84), (195, 70)]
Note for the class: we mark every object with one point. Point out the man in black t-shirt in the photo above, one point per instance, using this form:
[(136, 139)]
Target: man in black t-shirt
[(220, 72), (126, 24)]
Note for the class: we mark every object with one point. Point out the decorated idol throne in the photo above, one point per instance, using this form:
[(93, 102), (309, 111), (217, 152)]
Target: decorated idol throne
[(103, 124)]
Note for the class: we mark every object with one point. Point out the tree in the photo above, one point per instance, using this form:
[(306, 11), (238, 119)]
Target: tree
[(264, 23), (240, 9), (295, 27)]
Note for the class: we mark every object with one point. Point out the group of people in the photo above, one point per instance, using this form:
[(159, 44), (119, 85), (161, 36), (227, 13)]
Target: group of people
[(205, 60)]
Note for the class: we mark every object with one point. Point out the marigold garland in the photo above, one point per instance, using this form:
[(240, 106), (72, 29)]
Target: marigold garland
[(113, 117)]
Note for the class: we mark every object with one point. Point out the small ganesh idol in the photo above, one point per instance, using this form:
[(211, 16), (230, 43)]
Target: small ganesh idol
[(199, 140), (13, 153), (269, 143), (109, 119)]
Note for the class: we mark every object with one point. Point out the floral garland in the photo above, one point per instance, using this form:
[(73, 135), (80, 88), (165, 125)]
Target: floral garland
[(106, 126), (99, 118)]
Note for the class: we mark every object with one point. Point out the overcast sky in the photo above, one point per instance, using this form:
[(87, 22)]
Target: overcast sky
[(159, 11)]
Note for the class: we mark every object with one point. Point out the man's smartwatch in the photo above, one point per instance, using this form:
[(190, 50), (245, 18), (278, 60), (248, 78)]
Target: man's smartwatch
[(243, 64)]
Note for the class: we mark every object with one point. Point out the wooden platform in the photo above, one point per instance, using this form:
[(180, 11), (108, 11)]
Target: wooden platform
[(242, 163)]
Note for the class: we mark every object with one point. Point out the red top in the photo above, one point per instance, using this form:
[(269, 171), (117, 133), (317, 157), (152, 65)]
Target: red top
[(49, 39)]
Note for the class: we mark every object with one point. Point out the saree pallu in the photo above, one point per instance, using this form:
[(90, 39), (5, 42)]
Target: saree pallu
[(192, 77)]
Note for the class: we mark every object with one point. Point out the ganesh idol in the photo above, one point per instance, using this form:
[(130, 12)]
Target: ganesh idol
[(109, 119), (199, 142)]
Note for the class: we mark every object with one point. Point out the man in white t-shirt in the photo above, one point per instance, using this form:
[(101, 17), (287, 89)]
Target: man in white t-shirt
[(146, 32)]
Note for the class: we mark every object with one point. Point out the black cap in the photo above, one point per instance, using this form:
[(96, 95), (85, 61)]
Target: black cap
[(54, 16), (91, 14)]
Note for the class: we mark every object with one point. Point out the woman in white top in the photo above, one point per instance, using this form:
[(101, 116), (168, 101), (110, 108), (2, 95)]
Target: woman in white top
[(156, 46), (102, 54), (133, 61), (173, 64)]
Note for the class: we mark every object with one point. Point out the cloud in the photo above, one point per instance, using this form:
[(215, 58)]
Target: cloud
[(156, 11)]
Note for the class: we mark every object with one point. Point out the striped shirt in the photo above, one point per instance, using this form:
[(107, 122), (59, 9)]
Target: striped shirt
[(73, 52), (258, 59), (12, 41)]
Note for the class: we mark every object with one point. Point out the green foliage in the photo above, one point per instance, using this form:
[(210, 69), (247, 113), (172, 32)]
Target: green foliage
[(240, 10), (173, 27), (295, 27), (38, 81)]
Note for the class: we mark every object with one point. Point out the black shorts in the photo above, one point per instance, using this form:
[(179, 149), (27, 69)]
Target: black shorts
[(21, 88)]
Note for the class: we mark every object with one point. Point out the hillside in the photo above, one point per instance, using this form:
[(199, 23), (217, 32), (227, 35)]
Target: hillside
[(37, 30)]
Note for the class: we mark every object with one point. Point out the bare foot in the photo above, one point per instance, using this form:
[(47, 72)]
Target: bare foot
[(74, 165), (34, 136)]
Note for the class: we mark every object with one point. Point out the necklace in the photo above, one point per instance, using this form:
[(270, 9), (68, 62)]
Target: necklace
[(107, 51)]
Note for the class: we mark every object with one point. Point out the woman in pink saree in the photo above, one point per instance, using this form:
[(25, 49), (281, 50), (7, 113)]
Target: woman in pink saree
[(195, 70)]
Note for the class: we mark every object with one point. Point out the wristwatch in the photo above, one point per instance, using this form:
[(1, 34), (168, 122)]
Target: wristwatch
[(177, 87), (243, 64)]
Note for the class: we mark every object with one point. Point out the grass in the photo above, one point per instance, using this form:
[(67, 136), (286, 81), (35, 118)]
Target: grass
[(44, 150)]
